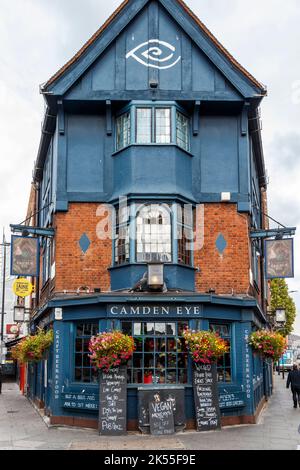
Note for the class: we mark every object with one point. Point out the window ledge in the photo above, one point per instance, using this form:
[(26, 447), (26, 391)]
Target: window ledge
[(127, 265), (117, 152)]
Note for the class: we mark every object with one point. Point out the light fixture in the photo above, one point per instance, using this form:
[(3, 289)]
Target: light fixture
[(280, 315), (19, 312), (155, 276)]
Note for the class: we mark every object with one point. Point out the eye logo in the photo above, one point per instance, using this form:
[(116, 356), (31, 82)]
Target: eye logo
[(153, 55)]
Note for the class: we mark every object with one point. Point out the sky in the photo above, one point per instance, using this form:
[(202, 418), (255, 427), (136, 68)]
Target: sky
[(38, 36)]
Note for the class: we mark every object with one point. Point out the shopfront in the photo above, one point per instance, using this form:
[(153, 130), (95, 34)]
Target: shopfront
[(160, 360)]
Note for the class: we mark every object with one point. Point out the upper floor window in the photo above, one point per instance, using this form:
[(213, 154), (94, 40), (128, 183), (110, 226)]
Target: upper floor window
[(123, 130), (154, 234), (157, 124)]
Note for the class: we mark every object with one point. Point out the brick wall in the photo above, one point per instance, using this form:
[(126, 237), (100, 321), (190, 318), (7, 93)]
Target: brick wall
[(230, 270), (74, 268)]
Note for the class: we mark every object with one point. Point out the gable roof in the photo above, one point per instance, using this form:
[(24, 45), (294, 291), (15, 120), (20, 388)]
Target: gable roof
[(192, 15)]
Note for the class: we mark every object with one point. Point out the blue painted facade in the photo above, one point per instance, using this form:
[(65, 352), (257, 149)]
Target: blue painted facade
[(78, 162)]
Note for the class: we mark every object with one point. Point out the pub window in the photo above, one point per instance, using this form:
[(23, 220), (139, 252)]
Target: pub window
[(182, 131), (121, 242), (224, 364), (160, 356), (84, 371), (185, 234), (154, 234), (123, 131)]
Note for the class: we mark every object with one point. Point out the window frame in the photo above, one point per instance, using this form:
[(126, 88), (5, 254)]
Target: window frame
[(75, 353)]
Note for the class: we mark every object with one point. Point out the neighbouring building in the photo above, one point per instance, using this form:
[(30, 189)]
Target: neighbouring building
[(155, 110)]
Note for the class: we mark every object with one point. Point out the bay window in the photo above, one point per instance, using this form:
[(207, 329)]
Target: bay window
[(153, 124)]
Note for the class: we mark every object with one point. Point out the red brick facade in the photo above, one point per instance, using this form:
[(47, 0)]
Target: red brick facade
[(73, 267), (227, 272)]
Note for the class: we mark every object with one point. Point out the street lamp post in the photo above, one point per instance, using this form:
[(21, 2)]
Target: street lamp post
[(280, 318), (5, 245)]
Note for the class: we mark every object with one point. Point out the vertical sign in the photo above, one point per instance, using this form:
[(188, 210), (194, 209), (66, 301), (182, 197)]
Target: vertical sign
[(206, 397), (57, 345), (113, 403), (247, 374)]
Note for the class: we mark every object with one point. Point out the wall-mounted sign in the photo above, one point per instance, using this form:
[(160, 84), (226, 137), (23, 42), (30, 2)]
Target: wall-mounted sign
[(22, 287), (162, 311), (279, 258), (24, 256), (155, 54), (12, 329)]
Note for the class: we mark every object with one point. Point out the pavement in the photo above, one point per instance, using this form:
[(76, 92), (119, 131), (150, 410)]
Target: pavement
[(23, 428)]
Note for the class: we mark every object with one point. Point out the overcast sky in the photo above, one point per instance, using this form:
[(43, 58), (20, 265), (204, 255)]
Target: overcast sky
[(38, 36)]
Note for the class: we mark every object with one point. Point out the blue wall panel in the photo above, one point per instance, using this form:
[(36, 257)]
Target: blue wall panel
[(85, 163), (219, 154)]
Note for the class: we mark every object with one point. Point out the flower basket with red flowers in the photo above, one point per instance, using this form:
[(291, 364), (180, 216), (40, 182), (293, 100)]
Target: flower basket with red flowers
[(33, 348), (110, 350), (269, 344), (205, 347)]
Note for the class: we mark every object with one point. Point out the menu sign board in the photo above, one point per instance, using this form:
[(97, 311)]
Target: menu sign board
[(113, 403), (161, 417), (173, 397), (206, 397)]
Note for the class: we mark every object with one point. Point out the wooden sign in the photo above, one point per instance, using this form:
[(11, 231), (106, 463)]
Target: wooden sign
[(206, 397), (173, 395), (161, 416), (113, 402)]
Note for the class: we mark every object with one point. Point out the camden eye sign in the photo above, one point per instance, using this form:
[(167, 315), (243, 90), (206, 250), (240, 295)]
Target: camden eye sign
[(162, 311)]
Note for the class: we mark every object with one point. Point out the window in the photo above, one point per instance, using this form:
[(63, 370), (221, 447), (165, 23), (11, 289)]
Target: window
[(182, 131), (153, 124), (123, 131), (154, 234), (185, 234), (161, 355), (224, 366), (122, 243), (84, 372), (163, 125), (46, 260), (143, 125)]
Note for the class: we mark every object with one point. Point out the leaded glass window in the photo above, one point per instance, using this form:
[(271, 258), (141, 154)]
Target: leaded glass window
[(143, 125), (122, 242), (153, 233), (182, 131), (123, 131)]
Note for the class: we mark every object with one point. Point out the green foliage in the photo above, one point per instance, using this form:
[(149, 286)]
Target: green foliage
[(280, 298)]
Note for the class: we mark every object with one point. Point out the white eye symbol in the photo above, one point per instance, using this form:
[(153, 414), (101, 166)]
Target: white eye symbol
[(153, 55)]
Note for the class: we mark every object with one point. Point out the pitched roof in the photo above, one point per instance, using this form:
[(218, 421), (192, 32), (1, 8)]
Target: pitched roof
[(201, 25)]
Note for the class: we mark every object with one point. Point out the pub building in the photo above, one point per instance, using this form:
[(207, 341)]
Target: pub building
[(148, 182)]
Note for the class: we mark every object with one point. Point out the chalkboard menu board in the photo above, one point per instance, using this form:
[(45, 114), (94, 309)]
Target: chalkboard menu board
[(113, 402), (173, 395), (161, 417), (206, 397)]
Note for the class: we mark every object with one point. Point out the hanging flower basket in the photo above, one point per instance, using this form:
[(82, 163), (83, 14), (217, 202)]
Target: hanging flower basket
[(33, 348), (269, 344), (205, 347), (110, 350)]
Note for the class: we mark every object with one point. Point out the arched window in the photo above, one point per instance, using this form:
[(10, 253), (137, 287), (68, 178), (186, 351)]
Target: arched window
[(154, 233)]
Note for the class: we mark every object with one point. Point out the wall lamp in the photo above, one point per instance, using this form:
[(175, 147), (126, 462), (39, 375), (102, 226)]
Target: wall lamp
[(155, 276)]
